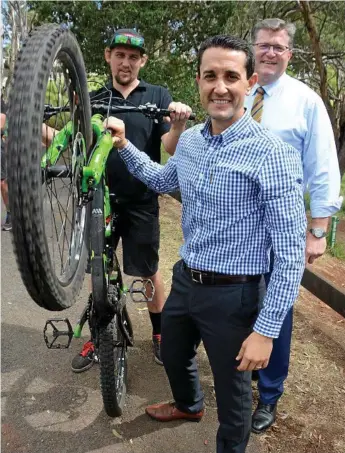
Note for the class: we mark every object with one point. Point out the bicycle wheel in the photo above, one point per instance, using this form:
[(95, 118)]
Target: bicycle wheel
[(50, 222), (113, 367), (112, 345)]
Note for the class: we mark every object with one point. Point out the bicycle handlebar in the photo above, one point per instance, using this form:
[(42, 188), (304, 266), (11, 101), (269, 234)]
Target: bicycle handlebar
[(149, 110)]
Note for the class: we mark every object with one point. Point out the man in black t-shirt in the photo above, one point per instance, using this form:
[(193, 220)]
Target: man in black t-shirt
[(137, 205)]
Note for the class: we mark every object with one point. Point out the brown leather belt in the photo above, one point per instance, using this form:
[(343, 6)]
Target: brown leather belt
[(213, 278)]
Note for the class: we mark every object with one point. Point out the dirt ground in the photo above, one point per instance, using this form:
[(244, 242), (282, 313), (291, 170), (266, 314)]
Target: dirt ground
[(311, 417), (45, 407)]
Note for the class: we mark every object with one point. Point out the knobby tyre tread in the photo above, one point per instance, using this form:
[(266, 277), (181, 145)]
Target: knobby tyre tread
[(109, 335), (26, 104), (109, 354)]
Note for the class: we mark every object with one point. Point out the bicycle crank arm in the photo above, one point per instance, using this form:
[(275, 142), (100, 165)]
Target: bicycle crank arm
[(142, 290), (51, 333)]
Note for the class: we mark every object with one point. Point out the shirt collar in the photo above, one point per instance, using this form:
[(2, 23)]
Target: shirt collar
[(142, 86), (271, 88), (230, 133)]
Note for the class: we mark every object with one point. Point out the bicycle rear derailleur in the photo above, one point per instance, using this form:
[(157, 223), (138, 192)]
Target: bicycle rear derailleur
[(142, 290)]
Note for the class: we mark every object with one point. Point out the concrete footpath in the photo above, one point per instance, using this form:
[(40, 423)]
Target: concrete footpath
[(47, 408)]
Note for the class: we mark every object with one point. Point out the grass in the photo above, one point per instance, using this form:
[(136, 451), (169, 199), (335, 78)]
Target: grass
[(338, 251)]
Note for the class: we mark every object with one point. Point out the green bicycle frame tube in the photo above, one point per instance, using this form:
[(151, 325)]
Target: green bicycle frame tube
[(93, 172), (58, 144)]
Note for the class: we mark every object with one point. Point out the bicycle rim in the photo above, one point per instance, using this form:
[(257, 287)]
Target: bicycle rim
[(63, 209)]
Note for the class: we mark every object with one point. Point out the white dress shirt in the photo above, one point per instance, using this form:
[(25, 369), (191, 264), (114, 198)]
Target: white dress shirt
[(298, 116)]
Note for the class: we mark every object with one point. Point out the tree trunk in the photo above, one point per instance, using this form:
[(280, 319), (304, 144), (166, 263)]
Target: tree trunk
[(338, 124), (313, 34)]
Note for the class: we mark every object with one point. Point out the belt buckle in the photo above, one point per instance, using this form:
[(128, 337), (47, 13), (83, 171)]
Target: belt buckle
[(195, 280)]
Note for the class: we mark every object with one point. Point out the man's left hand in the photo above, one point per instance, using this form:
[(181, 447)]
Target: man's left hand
[(179, 116), (314, 248)]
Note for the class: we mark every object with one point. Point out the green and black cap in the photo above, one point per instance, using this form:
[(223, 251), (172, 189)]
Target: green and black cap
[(128, 37)]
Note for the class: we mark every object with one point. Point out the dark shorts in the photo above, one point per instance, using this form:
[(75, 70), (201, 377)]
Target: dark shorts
[(138, 228), (3, 161)]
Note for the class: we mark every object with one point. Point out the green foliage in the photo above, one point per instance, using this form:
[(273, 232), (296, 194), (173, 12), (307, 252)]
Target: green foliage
[(164, 156), (342, 191), (338, 251), (174, 30)]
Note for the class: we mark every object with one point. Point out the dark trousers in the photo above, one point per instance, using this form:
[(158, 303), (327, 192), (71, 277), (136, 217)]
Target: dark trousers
[(222, 317), (271, 379)]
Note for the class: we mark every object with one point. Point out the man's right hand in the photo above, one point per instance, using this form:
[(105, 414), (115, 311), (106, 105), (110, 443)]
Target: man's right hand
[(117, 129)]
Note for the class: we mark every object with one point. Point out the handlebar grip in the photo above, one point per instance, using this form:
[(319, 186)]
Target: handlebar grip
[(192, 116)]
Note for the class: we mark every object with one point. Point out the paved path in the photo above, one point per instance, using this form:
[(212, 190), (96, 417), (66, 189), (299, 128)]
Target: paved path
[(48, 409)]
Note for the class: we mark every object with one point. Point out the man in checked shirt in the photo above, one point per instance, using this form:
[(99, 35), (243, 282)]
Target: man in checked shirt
[(241, 189)]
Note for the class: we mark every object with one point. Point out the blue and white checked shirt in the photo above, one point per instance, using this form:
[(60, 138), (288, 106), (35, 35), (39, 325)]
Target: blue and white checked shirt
[(299, 117), (241, 193)]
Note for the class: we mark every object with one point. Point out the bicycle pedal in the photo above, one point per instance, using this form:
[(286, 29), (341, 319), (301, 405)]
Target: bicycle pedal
[(51, 333), (142, 290)]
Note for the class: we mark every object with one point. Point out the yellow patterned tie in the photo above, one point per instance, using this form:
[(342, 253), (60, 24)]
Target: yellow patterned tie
[(258, 104)]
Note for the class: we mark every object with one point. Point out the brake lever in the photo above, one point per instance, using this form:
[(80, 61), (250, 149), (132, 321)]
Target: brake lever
[(151, 111)]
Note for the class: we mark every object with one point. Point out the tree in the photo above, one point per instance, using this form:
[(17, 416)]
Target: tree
[(15, 15), (174, 30), (335, 106)]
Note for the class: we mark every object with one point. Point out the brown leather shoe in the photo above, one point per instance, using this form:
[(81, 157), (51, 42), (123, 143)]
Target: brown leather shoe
[(166, 412)]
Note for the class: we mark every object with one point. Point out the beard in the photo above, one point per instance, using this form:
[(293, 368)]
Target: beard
[(123, 82)]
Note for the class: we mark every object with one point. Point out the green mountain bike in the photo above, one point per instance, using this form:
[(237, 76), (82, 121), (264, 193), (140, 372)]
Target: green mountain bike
[(60, 202)]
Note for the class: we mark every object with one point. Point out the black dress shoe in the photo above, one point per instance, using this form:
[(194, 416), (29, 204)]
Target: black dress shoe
[(263, 417)]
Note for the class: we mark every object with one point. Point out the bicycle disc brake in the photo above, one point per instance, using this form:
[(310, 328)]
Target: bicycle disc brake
[(142, 290), (51, 333)]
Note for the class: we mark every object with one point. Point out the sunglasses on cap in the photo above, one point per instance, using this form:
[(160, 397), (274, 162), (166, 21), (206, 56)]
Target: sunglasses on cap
[(134, 41)]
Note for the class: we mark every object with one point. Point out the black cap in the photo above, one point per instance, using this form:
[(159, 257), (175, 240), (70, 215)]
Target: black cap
[(128, 37)]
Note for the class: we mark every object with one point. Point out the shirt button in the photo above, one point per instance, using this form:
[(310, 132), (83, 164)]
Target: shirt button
[(198, 204), (201, 176)]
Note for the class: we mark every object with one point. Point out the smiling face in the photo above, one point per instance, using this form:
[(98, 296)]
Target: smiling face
[(270, 65), (223, 85), (125, 64)]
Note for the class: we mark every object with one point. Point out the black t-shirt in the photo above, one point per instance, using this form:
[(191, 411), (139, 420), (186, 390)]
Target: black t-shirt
[(143, 132)]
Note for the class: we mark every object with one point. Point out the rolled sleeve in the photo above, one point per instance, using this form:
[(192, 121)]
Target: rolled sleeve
[(320, 161)]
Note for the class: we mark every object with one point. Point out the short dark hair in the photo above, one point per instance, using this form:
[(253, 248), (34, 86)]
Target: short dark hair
[(231, 43)]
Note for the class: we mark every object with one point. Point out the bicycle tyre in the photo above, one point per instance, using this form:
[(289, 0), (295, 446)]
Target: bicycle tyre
[(112, 346), (27, 99), (113, 368)]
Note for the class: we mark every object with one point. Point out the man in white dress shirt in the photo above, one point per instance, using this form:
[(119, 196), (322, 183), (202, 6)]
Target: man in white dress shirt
[(298, 116)]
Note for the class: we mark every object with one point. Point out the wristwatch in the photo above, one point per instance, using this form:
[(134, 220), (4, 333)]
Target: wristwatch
[(318, 232)]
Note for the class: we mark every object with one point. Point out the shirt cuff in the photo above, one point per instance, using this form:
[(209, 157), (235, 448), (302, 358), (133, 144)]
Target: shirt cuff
[(127, 151), (320, 210), (267, 326)]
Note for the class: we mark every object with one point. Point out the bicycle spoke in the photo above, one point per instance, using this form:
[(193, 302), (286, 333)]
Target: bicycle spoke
[(65, 212)]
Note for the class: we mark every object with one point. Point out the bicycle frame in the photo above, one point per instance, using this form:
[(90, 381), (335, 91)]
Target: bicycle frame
[(91, 177)]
